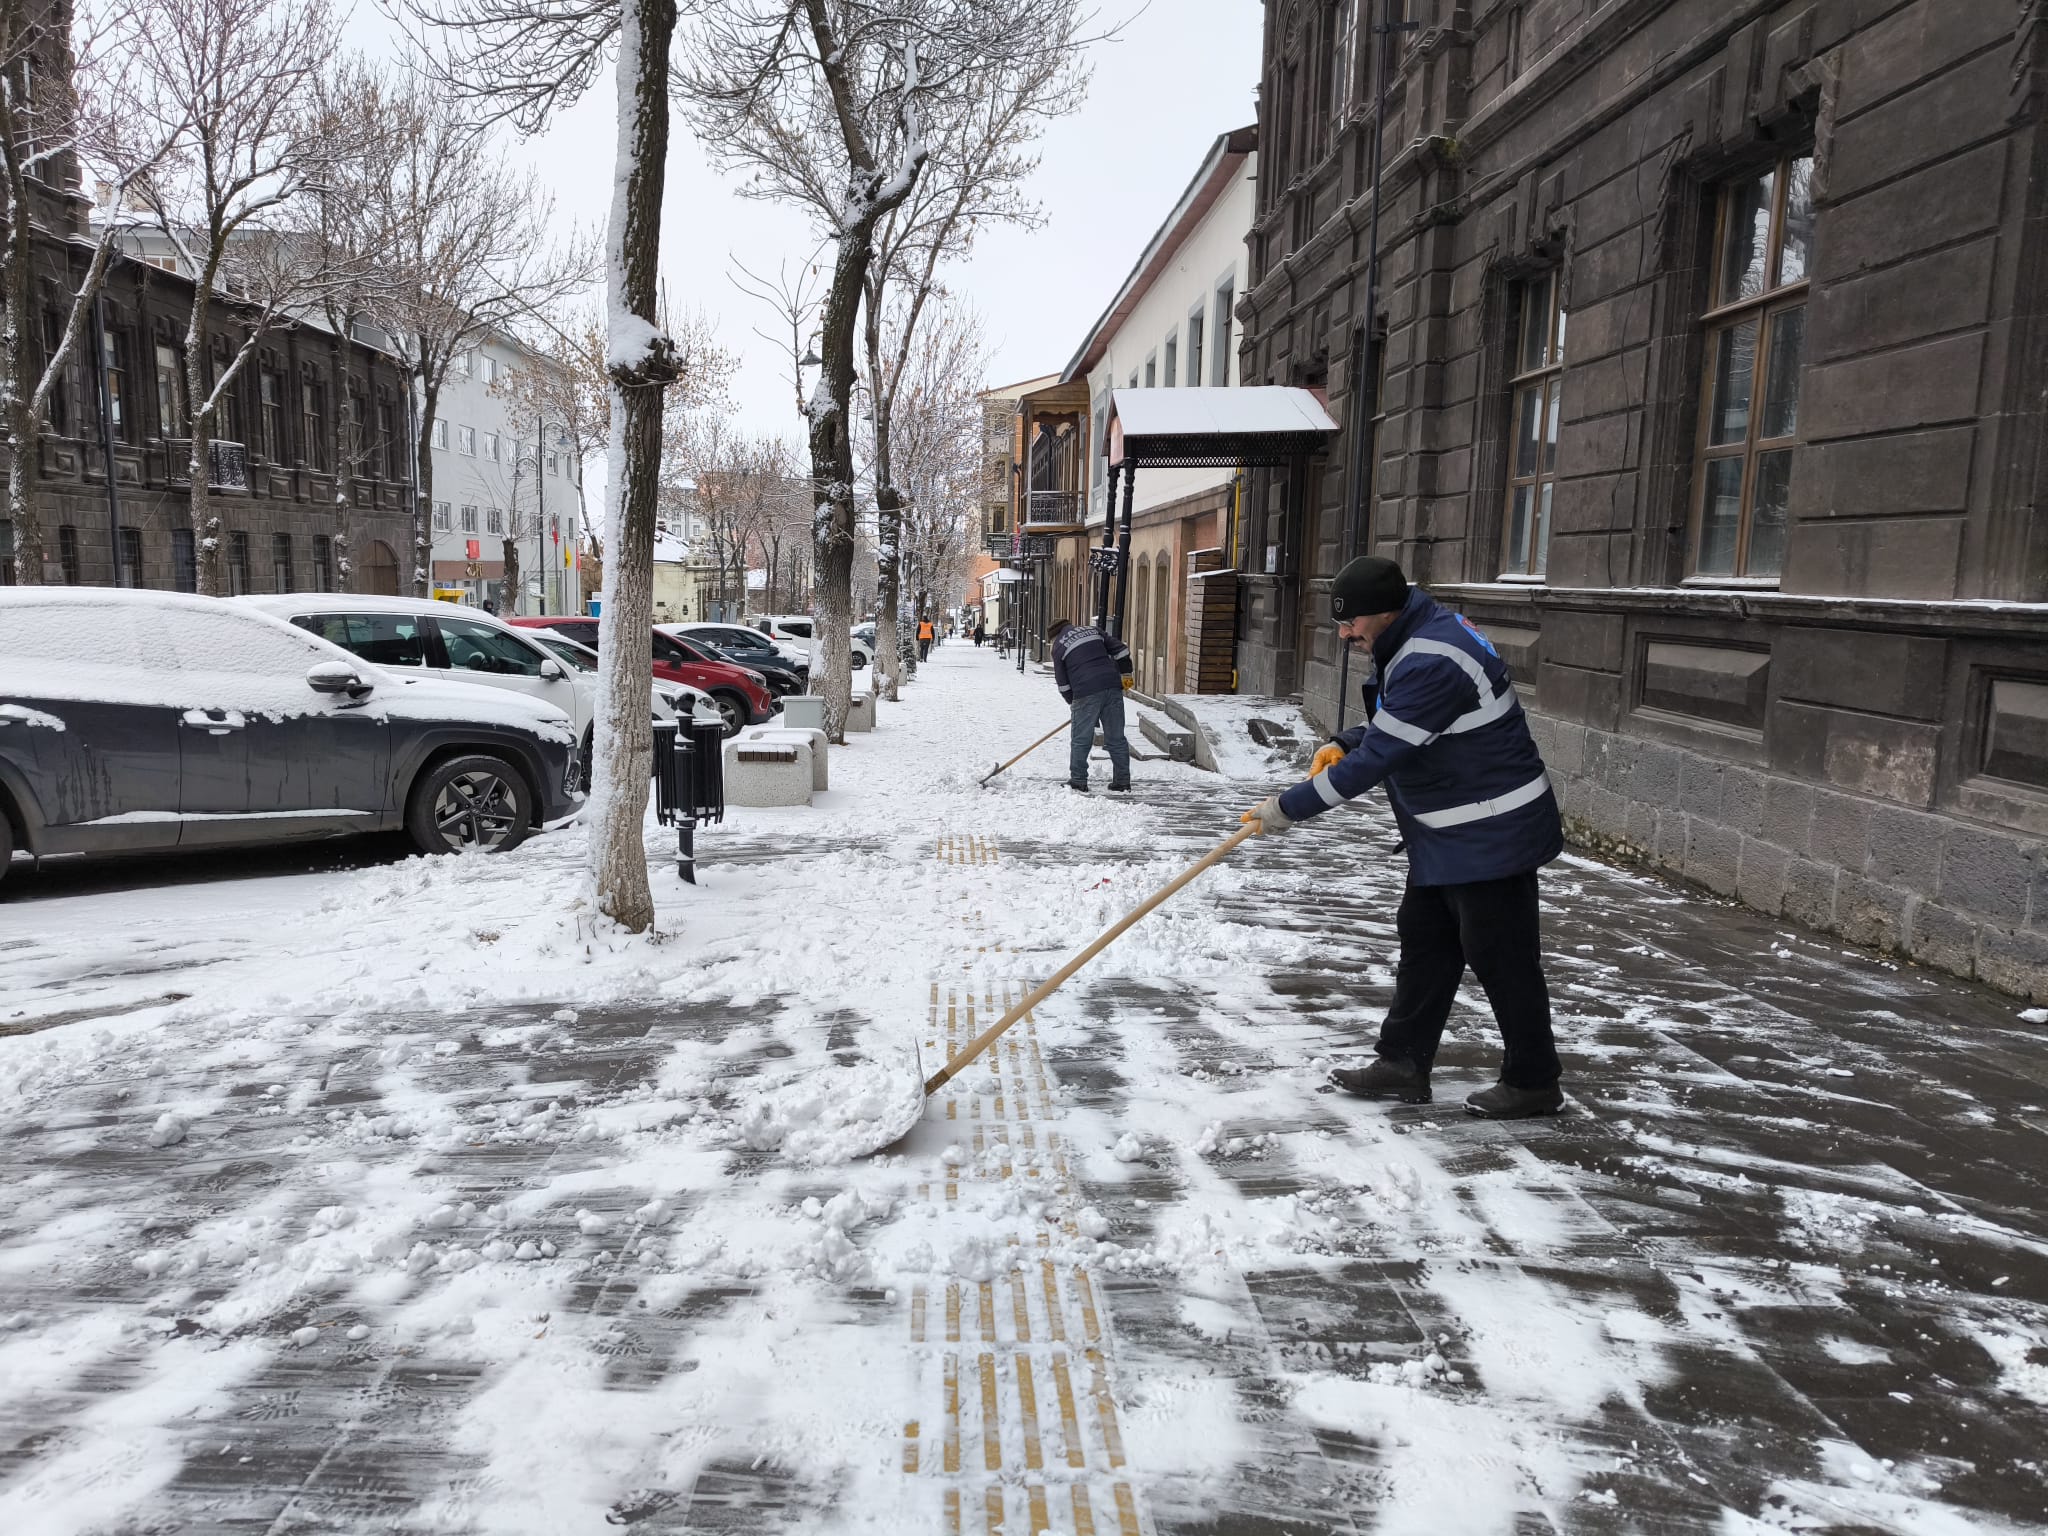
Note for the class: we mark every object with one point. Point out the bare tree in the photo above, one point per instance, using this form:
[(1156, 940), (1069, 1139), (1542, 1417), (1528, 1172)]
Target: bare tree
[(938, 443), (69, 101), (518, 61), (825, 103), (469, 243), (979, 156), (563, 385), (240, 75)]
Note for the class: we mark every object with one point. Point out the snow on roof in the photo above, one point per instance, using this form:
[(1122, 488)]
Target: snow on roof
[(1257, 408)]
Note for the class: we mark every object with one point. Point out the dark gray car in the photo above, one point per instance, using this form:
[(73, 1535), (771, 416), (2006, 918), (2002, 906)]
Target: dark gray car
[(137, 721)]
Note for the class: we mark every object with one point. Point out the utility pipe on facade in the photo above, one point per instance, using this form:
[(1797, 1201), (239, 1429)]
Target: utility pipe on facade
[(99, 325), (1365, 335)]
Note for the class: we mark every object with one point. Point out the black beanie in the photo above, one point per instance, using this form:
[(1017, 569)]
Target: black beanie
[(1367, 585)]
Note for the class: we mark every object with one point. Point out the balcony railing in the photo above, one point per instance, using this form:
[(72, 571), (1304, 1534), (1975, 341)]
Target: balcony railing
[(228, 463), (1055, 509)]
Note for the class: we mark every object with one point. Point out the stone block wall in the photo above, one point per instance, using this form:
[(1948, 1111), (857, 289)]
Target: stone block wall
[(1930, 887)]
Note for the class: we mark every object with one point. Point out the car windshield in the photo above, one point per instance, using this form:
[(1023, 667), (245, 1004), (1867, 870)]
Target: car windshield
[(579, 657)]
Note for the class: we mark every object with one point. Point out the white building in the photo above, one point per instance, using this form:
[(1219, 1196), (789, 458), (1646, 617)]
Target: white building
[(500, 474), (1172, 326)]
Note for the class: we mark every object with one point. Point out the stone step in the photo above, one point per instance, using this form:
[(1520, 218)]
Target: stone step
[(1175, 740)]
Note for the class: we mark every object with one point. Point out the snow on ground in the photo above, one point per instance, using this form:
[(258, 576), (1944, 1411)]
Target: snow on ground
[(414, 1196)]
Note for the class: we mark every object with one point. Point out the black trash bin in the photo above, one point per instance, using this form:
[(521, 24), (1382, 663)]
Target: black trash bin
[(689, 782)]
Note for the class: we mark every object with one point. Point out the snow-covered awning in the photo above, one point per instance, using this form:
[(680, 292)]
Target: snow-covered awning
[(1261, 424)]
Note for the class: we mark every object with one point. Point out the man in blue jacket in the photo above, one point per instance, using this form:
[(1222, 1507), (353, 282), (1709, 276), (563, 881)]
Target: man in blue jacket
[(1469, 792), (1092, 670)]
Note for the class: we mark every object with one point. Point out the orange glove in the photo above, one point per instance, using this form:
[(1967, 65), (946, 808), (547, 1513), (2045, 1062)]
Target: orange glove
[(1326, 756), (1130, 683)]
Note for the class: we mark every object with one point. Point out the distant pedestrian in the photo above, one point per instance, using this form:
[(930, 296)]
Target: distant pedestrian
[(1003, 641), (1450, 743), (1092, 670), (924, 639)]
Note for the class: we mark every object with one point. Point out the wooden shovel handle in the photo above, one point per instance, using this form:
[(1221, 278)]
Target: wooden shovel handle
[(987, 1037), (1048, 736)]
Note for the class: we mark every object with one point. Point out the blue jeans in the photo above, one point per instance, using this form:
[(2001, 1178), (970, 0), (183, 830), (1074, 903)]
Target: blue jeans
[(1107, 708)]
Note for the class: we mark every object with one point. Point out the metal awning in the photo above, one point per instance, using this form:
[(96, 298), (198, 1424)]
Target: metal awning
[(1263, 425)]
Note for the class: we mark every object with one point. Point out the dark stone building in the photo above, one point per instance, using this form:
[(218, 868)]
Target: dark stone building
[(312, 466), (1713, 352)]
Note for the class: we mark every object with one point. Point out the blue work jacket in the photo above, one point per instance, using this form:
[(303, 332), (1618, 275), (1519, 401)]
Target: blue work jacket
[(1085, 661), (1449, 741)]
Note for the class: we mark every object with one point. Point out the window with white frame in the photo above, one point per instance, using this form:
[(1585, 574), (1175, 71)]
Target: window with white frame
[(490, 370), (1151, 370), (440, 433), (1537, 386), (494, 520), (554, 463), (444, 517), (465, 439), (1195, 319), (1172, 352), (469, 519), (491, 446), (464, 364), (1226, 300), (1344, 63), (1756, 342)]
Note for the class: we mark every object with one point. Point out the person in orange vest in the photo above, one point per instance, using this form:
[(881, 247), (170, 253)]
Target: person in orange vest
[(924, 639)]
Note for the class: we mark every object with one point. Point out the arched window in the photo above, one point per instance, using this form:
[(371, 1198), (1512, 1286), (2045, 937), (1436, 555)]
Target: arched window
[(1162, 619), (1137, 631)]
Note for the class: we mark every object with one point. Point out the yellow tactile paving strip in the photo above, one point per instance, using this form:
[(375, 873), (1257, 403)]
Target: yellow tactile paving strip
[(1025, 1434)]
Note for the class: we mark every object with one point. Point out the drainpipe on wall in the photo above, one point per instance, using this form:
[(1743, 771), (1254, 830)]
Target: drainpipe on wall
[(99, 355)]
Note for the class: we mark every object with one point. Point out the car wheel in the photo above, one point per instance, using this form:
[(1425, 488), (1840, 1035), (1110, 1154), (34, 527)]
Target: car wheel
[(732, 710), (480, 801), (859, 660)]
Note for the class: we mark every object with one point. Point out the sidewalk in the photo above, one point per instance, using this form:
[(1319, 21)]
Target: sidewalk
[(407, 1198)]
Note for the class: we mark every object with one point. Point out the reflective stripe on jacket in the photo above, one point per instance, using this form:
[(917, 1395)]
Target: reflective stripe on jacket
[(1452, 746), (1085, 661)]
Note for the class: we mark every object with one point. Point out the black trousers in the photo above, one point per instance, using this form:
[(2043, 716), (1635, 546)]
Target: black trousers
[(1490, 925)]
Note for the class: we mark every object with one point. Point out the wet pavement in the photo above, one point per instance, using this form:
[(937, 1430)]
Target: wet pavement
[(1783, 1264)]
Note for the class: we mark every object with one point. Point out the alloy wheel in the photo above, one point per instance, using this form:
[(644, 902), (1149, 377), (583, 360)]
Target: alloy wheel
[(475, 810)]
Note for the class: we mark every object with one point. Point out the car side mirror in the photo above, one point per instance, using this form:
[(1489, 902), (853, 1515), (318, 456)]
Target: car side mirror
[(551, 669), (336, 677)]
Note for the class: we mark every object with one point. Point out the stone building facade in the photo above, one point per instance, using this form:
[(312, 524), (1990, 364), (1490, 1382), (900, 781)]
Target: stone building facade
[(312, 470), (1713, 346)]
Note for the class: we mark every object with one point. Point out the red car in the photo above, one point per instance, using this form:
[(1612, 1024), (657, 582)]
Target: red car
[(741, 694)]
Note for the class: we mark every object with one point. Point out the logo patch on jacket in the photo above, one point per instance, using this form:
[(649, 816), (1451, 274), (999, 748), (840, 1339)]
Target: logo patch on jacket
[(1473, 630)]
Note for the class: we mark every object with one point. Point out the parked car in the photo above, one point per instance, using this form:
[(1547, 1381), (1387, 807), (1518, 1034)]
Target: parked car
[(745, 645), (784, 677), (681, 698), (134, 721), (796, 629), (741, 695), (451, 640)]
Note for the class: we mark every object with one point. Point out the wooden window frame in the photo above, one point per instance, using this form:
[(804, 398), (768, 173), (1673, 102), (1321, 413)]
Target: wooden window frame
[(1546, 381), (1764, 308)]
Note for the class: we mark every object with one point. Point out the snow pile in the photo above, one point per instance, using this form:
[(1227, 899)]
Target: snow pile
[(834, 1115)]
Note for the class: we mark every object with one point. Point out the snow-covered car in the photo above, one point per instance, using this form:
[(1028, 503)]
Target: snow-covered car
[(796, 630), (136, 721), (449, 640)]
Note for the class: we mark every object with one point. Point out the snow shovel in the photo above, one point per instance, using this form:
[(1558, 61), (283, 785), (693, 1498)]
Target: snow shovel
[(1048, 736), (889, 1111), (1045, 989)]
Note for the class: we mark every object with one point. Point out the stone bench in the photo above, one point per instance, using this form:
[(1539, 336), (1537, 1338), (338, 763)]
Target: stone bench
[(812, 741), (765, 773), (861, 716)]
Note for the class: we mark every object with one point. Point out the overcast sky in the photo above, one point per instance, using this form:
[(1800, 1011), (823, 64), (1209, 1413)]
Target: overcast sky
[(1182, 72)]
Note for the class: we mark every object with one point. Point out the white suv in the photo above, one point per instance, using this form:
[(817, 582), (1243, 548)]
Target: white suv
[(427, 637), (794, 629)]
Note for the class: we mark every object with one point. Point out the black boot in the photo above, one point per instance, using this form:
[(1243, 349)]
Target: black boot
[(1123, 788), (1083, 788), (1386, 1078), (1504, 1101)]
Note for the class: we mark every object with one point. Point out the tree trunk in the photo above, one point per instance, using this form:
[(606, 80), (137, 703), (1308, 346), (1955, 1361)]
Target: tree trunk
[(642, 365), (889, 535), (206, 529), (510, 603), (23, 434), (423, 491), (832, 506)]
